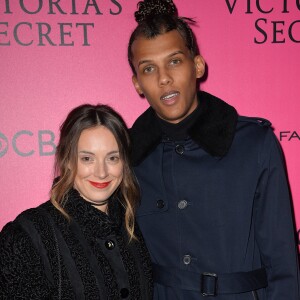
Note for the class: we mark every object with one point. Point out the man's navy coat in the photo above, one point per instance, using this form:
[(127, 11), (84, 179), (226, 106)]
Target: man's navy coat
[(217, 201)]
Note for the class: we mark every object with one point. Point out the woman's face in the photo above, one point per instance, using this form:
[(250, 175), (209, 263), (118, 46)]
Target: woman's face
[(99, 166)]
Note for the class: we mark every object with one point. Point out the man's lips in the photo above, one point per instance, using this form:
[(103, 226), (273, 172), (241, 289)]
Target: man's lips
[(169, 97), (99, 185)]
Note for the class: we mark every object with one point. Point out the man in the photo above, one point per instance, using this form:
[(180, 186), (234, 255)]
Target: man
[(215, 209)]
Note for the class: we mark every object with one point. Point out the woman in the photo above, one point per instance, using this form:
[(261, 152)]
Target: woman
[(83, 243)]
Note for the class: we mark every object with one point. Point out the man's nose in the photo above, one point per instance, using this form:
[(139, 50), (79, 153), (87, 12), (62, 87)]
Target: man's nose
[(165, 77)]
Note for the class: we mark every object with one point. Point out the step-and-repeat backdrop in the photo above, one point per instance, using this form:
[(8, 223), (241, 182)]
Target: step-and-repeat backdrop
[(55, 55)]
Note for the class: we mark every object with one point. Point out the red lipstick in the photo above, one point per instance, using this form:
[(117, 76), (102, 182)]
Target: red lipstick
[(100, 185)]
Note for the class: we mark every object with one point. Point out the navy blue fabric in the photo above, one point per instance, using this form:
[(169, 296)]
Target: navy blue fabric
[(210, 283), (238, 215)]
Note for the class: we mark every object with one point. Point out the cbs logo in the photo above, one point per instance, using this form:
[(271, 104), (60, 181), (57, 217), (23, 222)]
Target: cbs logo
[(25, 143)]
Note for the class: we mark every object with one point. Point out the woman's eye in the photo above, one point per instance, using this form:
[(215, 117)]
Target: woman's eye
[(86, 159), (114, 159)]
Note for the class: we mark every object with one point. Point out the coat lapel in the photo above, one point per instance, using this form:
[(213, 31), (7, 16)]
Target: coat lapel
[(213, 130)]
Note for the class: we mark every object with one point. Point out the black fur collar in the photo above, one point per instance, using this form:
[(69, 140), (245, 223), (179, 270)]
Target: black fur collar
[(213, 130)]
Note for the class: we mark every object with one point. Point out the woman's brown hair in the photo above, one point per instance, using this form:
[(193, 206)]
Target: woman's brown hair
[(80, 118)]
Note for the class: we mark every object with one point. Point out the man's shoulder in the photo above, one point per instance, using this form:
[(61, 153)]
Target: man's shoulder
[(254, 127), (261, 122), (255, 133)]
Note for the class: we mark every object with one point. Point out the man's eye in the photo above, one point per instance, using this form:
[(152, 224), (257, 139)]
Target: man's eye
[(175, 61), (148, 69)]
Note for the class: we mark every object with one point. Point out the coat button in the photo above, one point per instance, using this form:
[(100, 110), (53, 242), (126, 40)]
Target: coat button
[(124, 293), (160, 203), (182, 204), (109, 244), (179, 149), (187, 259)]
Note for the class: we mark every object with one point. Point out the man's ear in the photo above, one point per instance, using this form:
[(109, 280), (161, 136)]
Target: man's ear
[(136, 85), (200, 66)]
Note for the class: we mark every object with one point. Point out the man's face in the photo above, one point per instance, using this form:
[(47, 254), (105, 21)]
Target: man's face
[(166, 75)]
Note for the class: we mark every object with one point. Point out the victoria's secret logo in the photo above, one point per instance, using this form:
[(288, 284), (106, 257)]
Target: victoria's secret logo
[(270, 30), (28, 33)]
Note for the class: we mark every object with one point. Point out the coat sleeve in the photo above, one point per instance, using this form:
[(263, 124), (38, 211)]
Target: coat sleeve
[(21, 271), (274, 226)]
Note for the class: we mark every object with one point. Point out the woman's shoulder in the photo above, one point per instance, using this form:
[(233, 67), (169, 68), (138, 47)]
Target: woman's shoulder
[(20, 239), (21, 268), (15, 231), (16, 245)]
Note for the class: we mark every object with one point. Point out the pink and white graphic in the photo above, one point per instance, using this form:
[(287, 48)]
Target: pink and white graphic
[(56, 55)]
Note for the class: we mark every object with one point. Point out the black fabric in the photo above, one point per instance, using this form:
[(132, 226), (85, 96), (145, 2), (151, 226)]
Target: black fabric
[(28, 226), (89, 254), (73, 274), (80, 264), (179, 131), (213, 128)]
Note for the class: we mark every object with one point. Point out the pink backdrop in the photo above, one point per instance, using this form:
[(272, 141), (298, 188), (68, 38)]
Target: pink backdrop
[(55, 57)]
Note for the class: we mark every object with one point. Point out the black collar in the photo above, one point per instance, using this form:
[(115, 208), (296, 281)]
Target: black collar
[(213, 130), (95, 222)]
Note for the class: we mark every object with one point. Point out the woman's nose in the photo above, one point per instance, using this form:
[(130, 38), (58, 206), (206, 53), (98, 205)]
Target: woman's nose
[(101, 170)]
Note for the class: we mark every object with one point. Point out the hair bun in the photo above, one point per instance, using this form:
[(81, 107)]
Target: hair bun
[(150, 8)]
